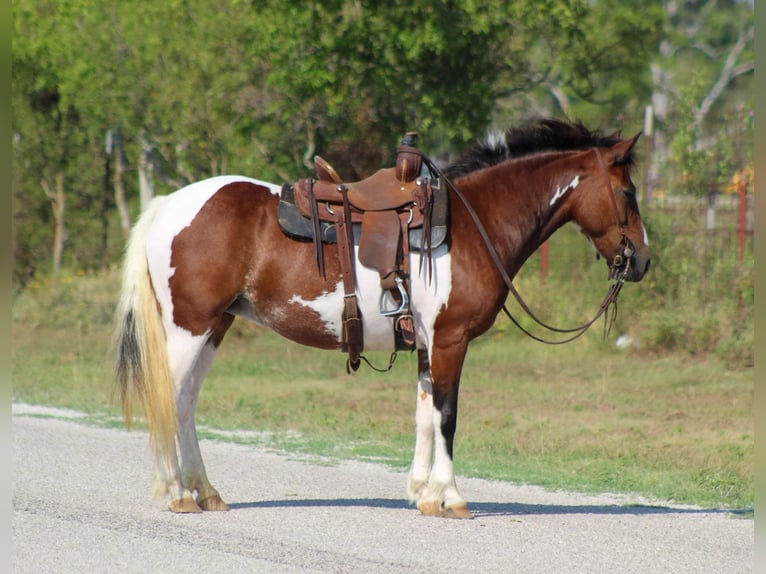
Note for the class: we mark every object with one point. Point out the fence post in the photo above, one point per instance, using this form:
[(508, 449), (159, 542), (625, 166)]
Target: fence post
[(742, 216)]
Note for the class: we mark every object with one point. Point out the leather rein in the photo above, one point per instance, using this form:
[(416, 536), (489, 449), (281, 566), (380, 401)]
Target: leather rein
[(617, 278)]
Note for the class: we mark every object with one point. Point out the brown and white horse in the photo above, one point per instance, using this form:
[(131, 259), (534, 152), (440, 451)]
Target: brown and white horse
[(214, 250)]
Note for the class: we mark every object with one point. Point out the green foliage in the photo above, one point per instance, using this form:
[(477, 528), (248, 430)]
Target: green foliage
[(708, 53), (700, 298), (704, 169), (206, 87)]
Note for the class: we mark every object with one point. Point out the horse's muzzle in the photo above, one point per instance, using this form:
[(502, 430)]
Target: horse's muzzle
[(637, 269), (629, 264)]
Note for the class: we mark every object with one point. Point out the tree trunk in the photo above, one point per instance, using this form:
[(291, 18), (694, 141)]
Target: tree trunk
[(145, 171), (119, 190), (710, 211), (57, 198)]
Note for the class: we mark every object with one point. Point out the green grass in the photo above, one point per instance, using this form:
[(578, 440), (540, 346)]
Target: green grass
[(584, 416)]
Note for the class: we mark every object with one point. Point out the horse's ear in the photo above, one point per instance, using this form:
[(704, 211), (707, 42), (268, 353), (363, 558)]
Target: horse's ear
[(619, 153)]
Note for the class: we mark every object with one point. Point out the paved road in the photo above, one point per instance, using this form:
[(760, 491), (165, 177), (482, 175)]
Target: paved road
[(81, 503)]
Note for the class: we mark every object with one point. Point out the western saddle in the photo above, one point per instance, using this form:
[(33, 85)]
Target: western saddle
[(379, 214)]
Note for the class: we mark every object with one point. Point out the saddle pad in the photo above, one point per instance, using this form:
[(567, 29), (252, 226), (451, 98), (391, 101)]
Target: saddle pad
[(298, 227)]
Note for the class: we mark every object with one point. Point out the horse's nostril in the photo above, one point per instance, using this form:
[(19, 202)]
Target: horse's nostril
[(646, 268)]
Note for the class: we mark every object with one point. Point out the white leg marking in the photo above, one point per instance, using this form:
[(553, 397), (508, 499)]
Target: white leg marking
[(441, 485), (192, 468), (441, 492), (183, 351), (424, 439)]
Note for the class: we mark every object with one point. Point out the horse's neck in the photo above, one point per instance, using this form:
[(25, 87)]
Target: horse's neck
[(515, 201)]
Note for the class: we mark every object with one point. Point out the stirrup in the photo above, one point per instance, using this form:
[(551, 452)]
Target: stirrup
[(405, 301)]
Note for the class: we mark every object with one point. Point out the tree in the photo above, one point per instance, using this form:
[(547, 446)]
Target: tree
[(202, 87), (702, 78), (46, 125)]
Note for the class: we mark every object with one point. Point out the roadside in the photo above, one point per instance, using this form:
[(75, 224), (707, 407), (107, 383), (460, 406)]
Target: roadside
[(82, 503)]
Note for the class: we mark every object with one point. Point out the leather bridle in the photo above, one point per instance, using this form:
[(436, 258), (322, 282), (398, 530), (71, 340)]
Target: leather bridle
[(618, 268), (625, 250)]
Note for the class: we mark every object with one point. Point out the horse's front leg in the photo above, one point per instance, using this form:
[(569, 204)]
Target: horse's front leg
[(424, 431), (441, 496)]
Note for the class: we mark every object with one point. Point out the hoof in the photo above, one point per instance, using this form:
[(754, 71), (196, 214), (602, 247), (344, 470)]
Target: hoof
[(433, 508), (429, 508), (184, 506), (457, 511), (213, 502)]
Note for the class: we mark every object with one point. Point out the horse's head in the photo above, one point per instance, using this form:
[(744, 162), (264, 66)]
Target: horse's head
[(607, 211)]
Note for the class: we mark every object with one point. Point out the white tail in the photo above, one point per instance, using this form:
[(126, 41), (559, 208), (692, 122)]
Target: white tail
[(142, 368)]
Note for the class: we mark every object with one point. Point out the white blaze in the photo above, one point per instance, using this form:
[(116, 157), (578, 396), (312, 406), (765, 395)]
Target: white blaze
[(560, 191)]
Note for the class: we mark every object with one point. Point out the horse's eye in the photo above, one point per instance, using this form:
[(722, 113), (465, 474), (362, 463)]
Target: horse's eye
[(630, 191)]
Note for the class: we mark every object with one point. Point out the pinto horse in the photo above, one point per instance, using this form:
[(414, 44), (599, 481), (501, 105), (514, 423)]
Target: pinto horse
[(213, 251)]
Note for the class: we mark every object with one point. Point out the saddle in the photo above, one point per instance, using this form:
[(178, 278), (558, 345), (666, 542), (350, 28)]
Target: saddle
[(386, 215)]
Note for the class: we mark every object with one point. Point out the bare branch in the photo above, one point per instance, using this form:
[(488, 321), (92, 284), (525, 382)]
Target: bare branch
[(725, 78), (308, 155), (561, 98)]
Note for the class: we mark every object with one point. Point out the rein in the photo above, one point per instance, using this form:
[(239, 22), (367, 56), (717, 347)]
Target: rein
[(616, 281)]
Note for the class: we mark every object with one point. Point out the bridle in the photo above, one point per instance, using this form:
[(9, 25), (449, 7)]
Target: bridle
[(625, 249), (618, 268)]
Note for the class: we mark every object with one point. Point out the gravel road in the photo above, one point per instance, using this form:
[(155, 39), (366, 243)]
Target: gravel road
[(81, 503)]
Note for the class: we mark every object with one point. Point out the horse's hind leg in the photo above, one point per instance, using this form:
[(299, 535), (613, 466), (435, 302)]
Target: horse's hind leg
[(192, 367), (192, 468), (183, 351)]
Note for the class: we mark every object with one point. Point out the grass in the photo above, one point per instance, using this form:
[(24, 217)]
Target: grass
[(583, 416)]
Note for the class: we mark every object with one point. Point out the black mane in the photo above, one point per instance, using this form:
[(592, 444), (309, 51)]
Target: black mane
[(540, 136)]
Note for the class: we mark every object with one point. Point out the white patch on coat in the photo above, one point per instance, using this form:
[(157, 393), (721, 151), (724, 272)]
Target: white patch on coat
[(560, 191), (429, 298), (646, 237), (176, 213), (326, 306), (425, 303)]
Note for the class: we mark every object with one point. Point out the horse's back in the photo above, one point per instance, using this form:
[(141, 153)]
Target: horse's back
[(216, 247), (183, 206)]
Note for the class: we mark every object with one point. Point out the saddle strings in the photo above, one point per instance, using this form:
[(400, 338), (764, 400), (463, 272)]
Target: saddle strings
[(610, 299), (391, 361)]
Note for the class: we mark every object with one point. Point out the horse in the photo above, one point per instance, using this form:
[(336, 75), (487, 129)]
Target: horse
[(213, 251)]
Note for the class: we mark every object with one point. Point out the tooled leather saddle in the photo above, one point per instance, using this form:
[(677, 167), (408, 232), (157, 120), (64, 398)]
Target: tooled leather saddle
[(387, 215)]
